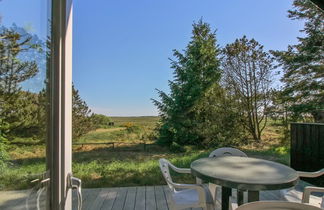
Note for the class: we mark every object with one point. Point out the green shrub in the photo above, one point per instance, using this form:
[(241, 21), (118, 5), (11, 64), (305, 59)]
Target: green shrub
[(3, 150), (175, 147), (100, 120), (131, 127)]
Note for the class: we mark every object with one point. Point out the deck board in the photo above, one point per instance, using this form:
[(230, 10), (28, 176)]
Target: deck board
[(160, 199), (120, 199), (130, 198), (127, 198), (150, 202), (90, 198), (167, 197), (140, 198), (97, 204), (110, 199), (13, 199)]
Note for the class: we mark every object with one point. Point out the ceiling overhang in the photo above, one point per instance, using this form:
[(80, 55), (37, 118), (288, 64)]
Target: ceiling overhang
[(319, 3)]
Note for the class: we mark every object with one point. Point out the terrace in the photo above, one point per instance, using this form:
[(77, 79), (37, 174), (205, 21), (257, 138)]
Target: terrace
[(123, 198), (137, 182)]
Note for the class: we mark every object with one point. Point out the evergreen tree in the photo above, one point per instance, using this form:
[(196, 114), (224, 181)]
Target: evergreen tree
[(81, 116), (220, 118), (195, 70), (25, 113), (14, 70), (303, 63), (16, 106)]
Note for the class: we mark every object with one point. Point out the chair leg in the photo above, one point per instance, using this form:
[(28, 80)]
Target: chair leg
[(213, 191), (233, 205), (199, 181), (240, 197), (210, 207)]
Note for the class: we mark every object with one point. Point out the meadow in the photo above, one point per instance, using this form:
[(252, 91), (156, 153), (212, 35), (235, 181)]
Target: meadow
[(128, 164)]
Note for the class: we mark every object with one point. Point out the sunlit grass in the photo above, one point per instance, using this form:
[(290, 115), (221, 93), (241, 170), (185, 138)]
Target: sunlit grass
[(101, 166)]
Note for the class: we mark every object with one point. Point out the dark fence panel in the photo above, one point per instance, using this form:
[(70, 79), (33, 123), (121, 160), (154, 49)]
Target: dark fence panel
[(307, 148)]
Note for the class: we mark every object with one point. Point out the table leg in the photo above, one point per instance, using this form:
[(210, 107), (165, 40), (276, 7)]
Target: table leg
[(240, 197), (226, 193), (253, 196)]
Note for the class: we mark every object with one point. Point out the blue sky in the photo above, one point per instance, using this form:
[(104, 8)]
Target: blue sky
[(121, 48)]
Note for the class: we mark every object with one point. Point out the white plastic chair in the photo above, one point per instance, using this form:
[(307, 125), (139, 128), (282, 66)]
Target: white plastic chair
[(220, 152), (263, 205), (185, 195), (227, 151), (294, 195)]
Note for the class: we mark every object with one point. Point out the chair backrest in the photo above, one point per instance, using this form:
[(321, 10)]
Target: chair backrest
[(227, 151), (164, 166)]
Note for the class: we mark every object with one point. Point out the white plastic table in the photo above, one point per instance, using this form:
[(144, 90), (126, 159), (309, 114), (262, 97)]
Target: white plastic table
[(244, 173), (277, 205)]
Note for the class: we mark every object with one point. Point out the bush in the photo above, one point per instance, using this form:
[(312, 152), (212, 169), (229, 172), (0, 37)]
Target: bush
[(100, 120), (175, 147), (3, 152), (131, 127), (3, 156)]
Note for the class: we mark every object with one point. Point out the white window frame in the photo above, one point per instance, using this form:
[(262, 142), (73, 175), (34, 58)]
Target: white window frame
[(59, 149)]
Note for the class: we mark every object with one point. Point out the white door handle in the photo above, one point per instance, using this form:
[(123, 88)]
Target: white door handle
[(75, 183)]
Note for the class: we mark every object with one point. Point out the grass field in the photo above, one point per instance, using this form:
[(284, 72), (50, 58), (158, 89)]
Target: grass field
[(128, 164)]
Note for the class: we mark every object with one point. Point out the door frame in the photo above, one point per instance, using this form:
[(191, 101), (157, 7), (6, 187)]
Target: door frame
[(59, 156)]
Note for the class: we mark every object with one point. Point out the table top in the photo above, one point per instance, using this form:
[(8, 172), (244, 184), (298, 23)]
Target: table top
[(276, 205), (245, 173)]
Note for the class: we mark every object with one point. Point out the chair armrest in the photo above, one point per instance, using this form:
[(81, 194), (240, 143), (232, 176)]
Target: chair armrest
[(200, 189), (185, 186), (308, 191), (311, 174), (180, 170)]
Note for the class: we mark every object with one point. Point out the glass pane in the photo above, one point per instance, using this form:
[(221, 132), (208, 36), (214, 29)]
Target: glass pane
[(24, 103)]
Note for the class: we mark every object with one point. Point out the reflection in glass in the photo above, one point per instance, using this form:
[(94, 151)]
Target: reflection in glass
[(24, 102)]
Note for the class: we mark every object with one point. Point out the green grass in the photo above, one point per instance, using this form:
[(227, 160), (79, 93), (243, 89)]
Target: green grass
[(126, 130), (144, 120), (99, 166), (132, 169), (105, 135), (102, 168)]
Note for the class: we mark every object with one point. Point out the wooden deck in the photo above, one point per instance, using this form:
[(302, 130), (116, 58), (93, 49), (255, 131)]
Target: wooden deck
[(127, 198)]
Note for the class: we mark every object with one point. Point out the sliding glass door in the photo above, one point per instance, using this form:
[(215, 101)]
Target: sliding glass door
[(35, 104)]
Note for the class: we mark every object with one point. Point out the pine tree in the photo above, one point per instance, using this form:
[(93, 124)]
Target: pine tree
[(220, 119), (81, 116), (16, 106), (303, 63), (195, 70)]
